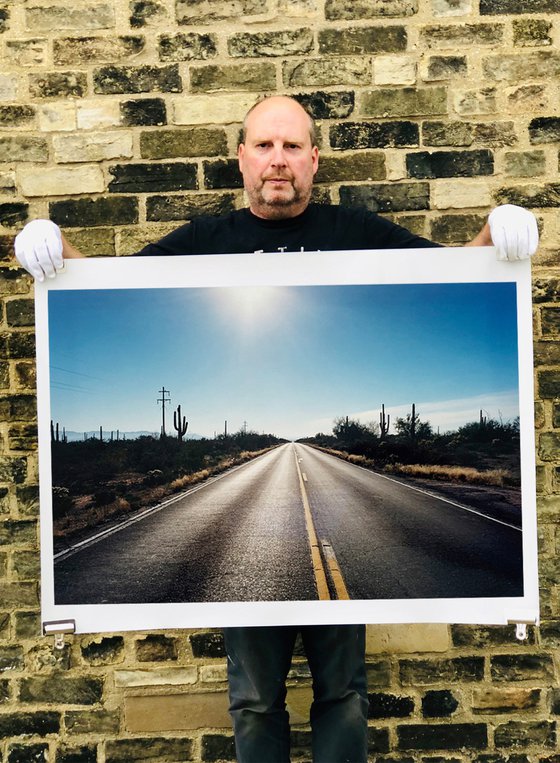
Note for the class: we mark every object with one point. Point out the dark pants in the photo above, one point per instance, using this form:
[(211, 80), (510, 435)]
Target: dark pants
[(258, 662)]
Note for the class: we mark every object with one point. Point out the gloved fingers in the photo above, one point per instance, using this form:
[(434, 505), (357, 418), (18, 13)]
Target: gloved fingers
[(38, 249), (29, 262), (514, 232), (533, 235)]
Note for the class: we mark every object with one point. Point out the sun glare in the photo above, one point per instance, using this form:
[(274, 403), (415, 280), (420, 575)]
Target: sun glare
[(253, 306)]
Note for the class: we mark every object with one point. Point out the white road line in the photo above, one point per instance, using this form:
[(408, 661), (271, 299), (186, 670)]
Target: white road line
[(427, 492), (91, 540)]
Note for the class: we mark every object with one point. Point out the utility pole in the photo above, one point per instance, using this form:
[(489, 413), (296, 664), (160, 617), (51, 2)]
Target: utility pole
[(163, 400)]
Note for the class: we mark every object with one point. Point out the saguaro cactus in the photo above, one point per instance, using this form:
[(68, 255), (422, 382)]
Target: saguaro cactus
[(180, 423), (384, 422), (55, 433)]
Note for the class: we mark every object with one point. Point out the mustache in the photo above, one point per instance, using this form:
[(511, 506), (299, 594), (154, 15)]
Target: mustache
[(278, 176)]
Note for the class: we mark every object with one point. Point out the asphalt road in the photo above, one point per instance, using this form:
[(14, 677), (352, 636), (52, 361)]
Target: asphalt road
[(248, 536)]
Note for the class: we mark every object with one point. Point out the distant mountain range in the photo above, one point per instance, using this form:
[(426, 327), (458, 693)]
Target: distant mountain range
[(79, 436)]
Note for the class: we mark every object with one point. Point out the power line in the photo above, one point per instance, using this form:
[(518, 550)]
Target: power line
[(163, 400)]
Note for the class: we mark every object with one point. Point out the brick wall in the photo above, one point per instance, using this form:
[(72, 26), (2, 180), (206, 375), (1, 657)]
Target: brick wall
[(119, 118)]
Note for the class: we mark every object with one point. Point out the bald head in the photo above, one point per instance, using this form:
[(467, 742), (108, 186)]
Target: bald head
[(278, 158), (278, 100)]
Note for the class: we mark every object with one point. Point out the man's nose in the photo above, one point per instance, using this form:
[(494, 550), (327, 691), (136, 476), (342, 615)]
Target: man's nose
[(278, 157)]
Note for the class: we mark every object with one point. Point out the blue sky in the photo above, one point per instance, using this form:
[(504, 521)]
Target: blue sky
[(285, 360)]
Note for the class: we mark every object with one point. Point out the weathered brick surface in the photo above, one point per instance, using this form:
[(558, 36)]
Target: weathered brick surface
[(83, 50), (154, 748), (356, 135), (58, 84), (383, 705), (386, 198), (409, 102), (141, 79), (146, 178), (448, 36), (213, 78), (492, 8), (341, 10), (170, 144), (385, 39), (415, 672), (270, 44), (446, 164), (144, 112), (452, 736), (92, 212), (197, 12), (321, 73), (519, 667), (182, 207), (120, 119), (186, 47)]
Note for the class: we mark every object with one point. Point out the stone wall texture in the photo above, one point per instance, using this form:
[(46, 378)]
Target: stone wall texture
[(120, 117)]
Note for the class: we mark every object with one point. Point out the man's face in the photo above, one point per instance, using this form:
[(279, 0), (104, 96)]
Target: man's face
[(277, 159)]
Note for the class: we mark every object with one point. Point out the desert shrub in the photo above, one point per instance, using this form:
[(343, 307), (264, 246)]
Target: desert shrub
[(154, 477), (61, 501), (104, 496)]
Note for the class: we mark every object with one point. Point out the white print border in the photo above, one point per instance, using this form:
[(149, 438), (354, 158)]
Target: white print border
[(422, 266)]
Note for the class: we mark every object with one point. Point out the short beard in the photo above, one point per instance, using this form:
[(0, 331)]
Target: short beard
[(278, 209)]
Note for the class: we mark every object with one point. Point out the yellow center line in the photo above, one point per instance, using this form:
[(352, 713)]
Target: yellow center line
[(316, 560), (335, 571)]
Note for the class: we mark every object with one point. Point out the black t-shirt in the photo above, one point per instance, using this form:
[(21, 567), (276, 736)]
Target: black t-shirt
[(320, 227)]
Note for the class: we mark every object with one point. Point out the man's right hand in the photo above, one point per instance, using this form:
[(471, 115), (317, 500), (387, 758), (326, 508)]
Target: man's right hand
[(39, 249)]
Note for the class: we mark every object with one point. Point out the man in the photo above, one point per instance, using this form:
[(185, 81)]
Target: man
[(278, 159)]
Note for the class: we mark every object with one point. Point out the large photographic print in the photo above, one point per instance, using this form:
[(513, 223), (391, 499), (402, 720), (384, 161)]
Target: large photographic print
[(311, 438)]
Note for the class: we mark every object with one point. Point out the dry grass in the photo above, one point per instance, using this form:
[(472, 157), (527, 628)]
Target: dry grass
[(89, 516), (464, 474), (86, 515)]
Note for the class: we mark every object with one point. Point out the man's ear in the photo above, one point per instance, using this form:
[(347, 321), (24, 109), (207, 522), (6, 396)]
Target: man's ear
[(240, 154), (315, 155)]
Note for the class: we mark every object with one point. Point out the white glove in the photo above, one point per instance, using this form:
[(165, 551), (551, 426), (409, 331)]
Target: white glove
[(514, 232), (38, 249)]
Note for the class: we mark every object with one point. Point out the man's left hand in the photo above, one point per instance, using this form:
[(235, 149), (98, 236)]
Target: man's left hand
[(514, 232)]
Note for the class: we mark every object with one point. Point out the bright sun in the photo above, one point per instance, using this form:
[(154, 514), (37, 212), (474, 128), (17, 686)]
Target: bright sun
[(253, 305)]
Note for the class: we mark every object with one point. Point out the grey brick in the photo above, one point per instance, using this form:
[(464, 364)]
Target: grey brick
[(358, 135), (84, 50), (198, 12), (404, 102), (358, 10), (254, 77), (137, 79), (78, 213), (449, 164), (452, 736), (58, 84), (180, 208), (171, 144), (452, 35), (495, 7), (150, 178), (270, 44), (386, 197), (187, 47), (544, 130), (363, 40), (325, 72)]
